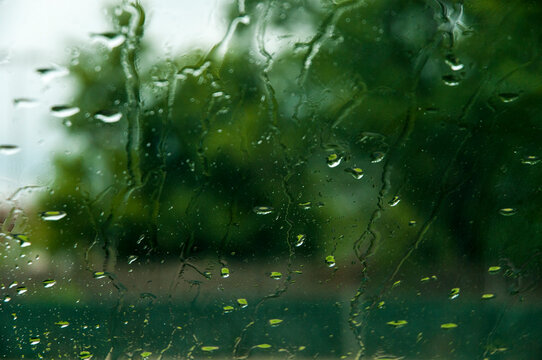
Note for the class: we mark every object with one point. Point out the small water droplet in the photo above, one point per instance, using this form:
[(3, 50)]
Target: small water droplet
[(227, 309), (243, 303), (8, 149), (275, 275), (263, 210), (412, 223), (13, 284), (99, 274), (108, 116), (263, 346), (530, 160), (453, 62), (451, 80), (62, 324), (300, 240), (494, 269), (393, 202), (397, 283), (454, 293), (34, 341), (377, 157), (7, 298), (49, 283), (109, 39), (25, 103), (508, 97), (333, 160), (52, 215), (356, 172), (209, 348), (225, 272), (145, 354), (397, 323), (85, 355), (64, 111), (275, 322), (330, 261), (488, 296), (21, 290), (508, 211), (305, 205), (448, 326)]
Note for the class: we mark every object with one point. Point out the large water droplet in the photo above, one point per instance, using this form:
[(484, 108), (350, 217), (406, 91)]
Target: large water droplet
[(49, 283), (108, 116), (8, 149), (330, 261), (225, 272), (21, 290), (300, 240), (393, 202), (227, 309), (25, 103), (451, 80), (52, 215), (263, 210), (356, 172), (530, 160), (333, 160), (64, 111), (243, 303), (23, 240), (99, 274), (132, 259), (109, 39), (454, 293), (7, 298), (494, 269), (34, 341), (508, 211), (275, 275)]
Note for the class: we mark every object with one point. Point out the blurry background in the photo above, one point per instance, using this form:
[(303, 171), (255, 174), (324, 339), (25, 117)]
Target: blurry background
[(293, 179)]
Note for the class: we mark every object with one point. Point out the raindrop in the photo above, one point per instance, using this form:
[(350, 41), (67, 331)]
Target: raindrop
[(263, 210), (508, 211), (62, 324), (397, 323), (305, 205), (64, 111), (394, 201), (34, 341), (51, 73), (377, 157), (243, 303), (330, 261), (333, 160), (108, 116), (300, 240), (21, 290), (530, 160), (453, 62), (225, 272), (488, 296), (451, 80), (8, 149), (275, 322), (209, 348), (49, 283), (109, 39), (448, 326), (356, 172), (454, 293), (52, 215), (85, 355), (494, 269), (275, 275), (23, 240), (132, 259), (99, 274), (25, 102), (508, 97)]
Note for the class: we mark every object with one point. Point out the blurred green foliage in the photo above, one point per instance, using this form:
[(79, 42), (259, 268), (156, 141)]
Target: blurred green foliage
[(447, 92)]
